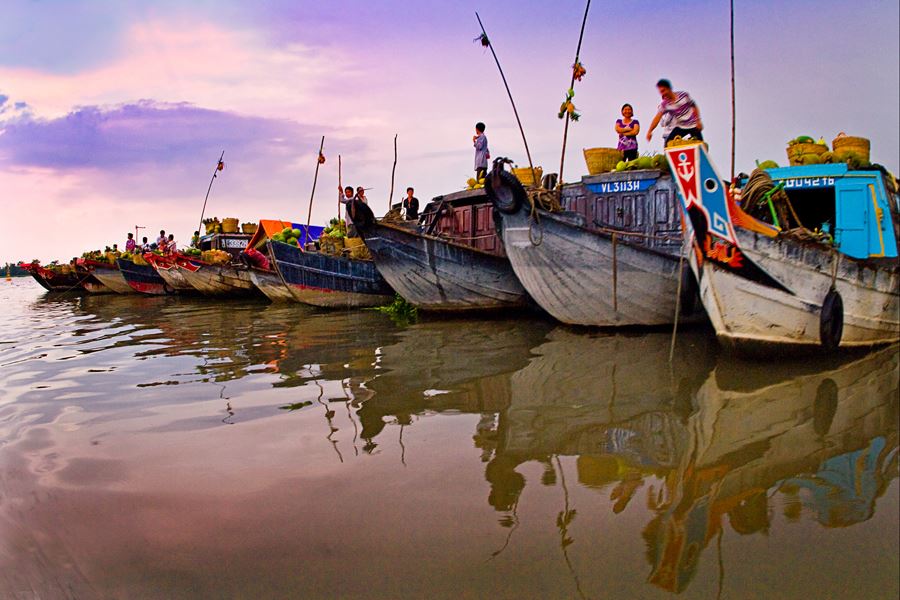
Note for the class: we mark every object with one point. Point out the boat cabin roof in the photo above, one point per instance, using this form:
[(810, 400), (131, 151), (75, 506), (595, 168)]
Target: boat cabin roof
[(856, 205)]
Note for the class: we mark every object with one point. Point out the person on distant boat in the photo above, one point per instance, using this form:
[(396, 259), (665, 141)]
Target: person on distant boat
[(161, 240), (682, 110), (115, 248), (170, 244), (361, 195), (145, 245), (482, 154), (347, 198), (130, 243), (628, 129), (195, 240), (410, 206)]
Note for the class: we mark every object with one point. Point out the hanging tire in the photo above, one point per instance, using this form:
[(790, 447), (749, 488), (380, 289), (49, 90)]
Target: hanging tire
[(831, 320), (504, 191)]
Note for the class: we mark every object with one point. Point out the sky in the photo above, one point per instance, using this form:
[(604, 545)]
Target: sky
[(113, 113)]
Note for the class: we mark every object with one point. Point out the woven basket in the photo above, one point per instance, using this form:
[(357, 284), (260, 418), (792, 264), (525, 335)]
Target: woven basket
[(847, 143), (211, 226), (248, 228), (602, 160), (229, 225), (524, 175), (357, 248), (795, 151)]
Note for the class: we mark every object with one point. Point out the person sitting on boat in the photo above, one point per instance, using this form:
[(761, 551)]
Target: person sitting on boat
[(161, 240), (171, 247), (482, 154), (130, 243), (410, 206), (145, 245), (628, 129), (195, 240), (682, 110), (115, 248)]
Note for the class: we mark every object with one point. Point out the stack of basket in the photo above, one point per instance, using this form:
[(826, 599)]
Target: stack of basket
[(806, 153)]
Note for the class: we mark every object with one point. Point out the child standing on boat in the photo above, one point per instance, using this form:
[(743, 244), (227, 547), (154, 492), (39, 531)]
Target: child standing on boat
[(482, 154), (682, 111), (628, 128)]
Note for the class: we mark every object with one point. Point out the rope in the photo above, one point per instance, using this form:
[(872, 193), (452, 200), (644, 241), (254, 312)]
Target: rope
[(754, 198), (545, 199)]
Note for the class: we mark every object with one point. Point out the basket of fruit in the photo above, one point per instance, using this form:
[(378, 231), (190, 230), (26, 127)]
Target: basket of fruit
[(229, 225), (527, 177), (803, 150), (847, 145), (248, 228)]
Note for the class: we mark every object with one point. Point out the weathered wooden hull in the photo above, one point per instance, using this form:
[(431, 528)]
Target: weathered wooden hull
[(433, 274), (329, 281), (113, 279), (749, 316), (583, 277), (271, 285), (217, 280), (143, 278), (57, 282)]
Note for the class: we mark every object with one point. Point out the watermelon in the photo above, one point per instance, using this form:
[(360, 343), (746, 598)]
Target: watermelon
[(286, 231), (296, 233)]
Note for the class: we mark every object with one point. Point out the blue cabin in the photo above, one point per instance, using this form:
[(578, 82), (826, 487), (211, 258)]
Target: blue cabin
[(855, 206)]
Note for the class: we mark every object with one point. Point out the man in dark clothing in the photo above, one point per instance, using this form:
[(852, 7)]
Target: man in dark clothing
[(410, 205)]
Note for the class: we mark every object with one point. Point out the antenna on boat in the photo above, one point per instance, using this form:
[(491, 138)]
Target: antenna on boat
[(562, 160), (485, 41), (136, 235), (340, 189), (320, 158), (219, 166)]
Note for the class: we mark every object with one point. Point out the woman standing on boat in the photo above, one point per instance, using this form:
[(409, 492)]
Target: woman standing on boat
[(628, 128)]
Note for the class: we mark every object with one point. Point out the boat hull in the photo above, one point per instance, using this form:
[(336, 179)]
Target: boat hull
[(749, 316), (56, 282), (329, 281), (585, 277), (217, 280), (143, 278), (167, 268), (433, 274), (270, 284), (112, 278)]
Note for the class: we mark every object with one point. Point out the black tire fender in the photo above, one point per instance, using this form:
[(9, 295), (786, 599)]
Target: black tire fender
[(831, 320), (504, 191)]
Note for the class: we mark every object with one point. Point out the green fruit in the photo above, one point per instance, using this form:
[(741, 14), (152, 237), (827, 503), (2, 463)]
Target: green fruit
[(286, 231), (810, 159), (804, 139), (645, 162), (278, 237), (768, 164), (620, 166), (296, 233), (659, 161), (828, 157)]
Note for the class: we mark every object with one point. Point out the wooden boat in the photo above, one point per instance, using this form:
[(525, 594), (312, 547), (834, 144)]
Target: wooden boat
[(167, 268), (764, 287), (143, 278), (265, 275), (607, 256), (54, 278), (269, 281), (108, 274), (451, 260), (329, 281), (229, 279), (88, 282)]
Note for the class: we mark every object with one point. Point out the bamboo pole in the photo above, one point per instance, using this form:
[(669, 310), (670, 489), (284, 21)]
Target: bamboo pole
[(393, 171), (508, 93), (215, 171), (562, 160), (733, 114), (340, 189), (313, 194)]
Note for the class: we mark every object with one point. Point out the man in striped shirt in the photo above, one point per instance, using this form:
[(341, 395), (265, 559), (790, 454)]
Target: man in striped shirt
[(682, 111)]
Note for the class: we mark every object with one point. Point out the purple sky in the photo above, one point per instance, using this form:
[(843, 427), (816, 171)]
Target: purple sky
[(112, 114)]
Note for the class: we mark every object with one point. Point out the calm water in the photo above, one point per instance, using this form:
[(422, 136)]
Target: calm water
[(164, 447)]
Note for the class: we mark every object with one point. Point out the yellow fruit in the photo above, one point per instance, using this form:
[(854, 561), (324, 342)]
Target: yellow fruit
[(471, 181)]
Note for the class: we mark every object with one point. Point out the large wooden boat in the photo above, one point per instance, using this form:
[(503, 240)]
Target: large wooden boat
[(268, 280), (450, 260), (263, 272), (143, 278), (329, 281), (55, 278), (108, 274), (228, 279), (88, 281), (608, 255), (766, 287)]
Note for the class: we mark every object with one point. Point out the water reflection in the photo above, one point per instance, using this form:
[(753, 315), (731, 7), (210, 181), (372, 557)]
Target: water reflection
[(503, 457)]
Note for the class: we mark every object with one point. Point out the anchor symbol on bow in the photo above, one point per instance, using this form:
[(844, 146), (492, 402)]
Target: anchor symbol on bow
[(685, 169)]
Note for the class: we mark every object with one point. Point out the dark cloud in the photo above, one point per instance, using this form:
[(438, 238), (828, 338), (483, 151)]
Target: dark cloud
[(124, 136)]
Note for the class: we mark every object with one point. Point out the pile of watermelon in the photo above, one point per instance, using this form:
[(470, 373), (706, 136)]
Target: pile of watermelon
[(289, 236)]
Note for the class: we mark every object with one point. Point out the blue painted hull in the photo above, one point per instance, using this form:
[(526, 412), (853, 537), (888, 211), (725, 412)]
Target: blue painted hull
[(143, 278), (329, 281)]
